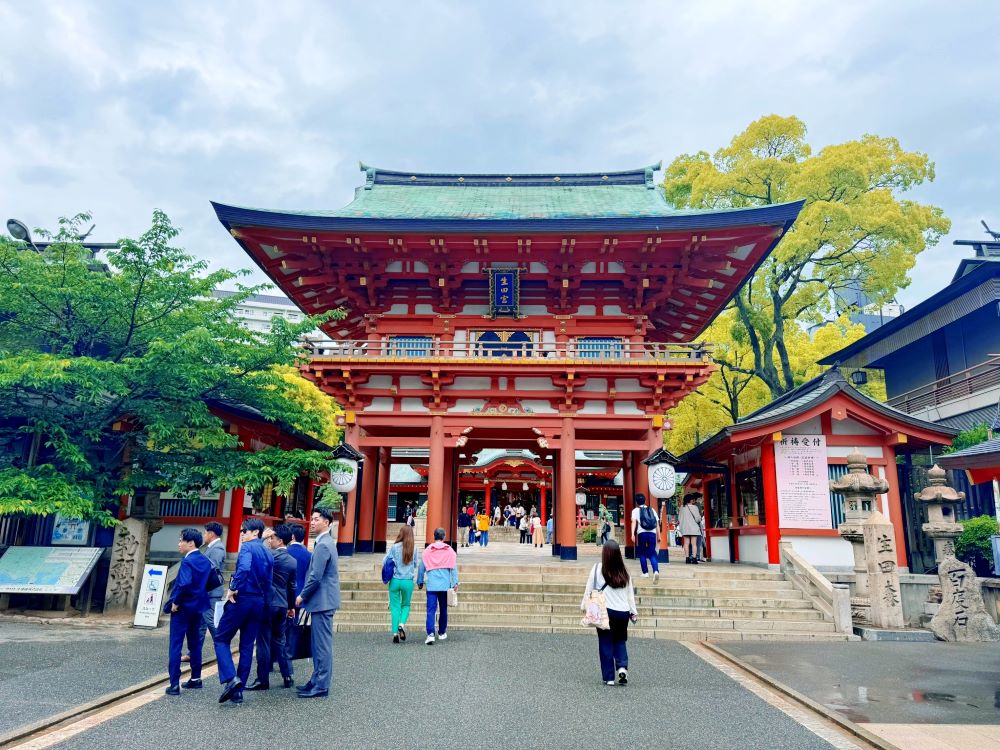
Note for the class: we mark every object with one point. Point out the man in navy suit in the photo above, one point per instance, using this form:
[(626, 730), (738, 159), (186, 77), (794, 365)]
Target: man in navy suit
[(321, 598), (302, 556), (245, 606), (186, 605), (271, 643)]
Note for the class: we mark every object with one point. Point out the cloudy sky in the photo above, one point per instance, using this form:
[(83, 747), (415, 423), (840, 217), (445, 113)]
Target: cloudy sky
[(123, 107)]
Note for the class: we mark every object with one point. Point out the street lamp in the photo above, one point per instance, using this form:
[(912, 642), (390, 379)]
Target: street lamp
[(19, 231)]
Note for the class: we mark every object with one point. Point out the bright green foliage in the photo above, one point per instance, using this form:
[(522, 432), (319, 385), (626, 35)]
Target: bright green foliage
[(589, 535), (106, 372), (974, 546), (853, 230), (973, 436)]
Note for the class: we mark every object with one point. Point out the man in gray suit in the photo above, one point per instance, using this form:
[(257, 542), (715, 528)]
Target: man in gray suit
[(321, 598), (215, 551)]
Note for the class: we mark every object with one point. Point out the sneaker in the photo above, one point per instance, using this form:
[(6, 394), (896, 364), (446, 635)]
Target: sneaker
[(430, 640), (623, 676), (610, 682), (402, 632), (645, 575), (656, 576), (442, 636)]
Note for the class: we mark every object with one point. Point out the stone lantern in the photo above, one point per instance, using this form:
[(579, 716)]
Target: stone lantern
[(941, 526), (859, 489)]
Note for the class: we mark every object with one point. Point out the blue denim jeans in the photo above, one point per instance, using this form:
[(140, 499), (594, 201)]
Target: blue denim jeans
[(646, 550), (435, 600), (484, 538), (611, 644)]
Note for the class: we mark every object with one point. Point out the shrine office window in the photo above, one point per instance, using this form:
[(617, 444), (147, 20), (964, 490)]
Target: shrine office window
[(599, 347), (410, 346), (749, 498)]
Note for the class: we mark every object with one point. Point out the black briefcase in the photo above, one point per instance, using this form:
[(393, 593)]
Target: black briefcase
[(302, 634)]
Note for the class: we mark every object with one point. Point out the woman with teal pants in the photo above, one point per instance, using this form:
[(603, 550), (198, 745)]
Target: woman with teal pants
[(401, 585)]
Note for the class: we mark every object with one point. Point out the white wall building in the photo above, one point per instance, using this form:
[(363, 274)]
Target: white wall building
[(257, 311)]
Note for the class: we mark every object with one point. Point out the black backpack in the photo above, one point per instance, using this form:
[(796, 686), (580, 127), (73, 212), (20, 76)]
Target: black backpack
[(647, 520), (214, 579)]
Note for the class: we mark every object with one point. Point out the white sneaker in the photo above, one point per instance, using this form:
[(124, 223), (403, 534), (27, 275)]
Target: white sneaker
[(430, 640), (610, 682), (645, 575), (656, 576), (622, 676), (442, 636)]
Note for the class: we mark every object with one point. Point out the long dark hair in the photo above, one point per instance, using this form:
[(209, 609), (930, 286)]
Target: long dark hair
[(405, 537), (613, 566)]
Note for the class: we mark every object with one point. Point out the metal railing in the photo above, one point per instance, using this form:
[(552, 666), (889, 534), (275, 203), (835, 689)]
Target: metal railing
[(584, 351), (975, 379)]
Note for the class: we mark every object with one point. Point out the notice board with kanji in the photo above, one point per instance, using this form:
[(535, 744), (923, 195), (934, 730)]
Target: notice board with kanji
[(803, 482)]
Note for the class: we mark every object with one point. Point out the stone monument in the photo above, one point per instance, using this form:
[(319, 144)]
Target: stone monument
[(962, 615), (859, 489), (128, 555), (886, 602), (941, 526)]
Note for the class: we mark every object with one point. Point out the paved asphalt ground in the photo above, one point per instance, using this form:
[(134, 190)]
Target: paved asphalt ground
[(48, 669), (888, 683), (476, 690)]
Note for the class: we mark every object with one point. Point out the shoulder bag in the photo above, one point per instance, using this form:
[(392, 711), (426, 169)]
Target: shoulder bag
[(595, 608)]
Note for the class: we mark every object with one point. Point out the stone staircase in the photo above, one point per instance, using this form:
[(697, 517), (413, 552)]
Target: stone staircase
[(688, 603)]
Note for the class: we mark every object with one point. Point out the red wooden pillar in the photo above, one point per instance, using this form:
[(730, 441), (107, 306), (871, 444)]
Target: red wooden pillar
[(310, 498), (769, 486), (435, 479), (366, 512), (382, 500), (893, 504), (628, 502), (566, 499), (349, 506), (449, 519), (541, 502), (235, 519)]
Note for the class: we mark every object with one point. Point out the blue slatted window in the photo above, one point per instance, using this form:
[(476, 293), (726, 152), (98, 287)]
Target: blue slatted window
[(599, 347), (411, 346), (834, 472)]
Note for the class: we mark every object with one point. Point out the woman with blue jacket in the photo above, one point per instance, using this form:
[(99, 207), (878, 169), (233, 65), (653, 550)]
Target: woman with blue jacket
[(439, 565), (401, 585)]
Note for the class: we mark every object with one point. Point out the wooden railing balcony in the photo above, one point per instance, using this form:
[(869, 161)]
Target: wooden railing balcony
[(584, 351), (975, 379)]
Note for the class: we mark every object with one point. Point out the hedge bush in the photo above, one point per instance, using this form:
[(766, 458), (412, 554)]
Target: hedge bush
[(974, 547)]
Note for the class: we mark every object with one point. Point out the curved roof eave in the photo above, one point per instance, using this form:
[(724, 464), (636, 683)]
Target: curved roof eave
[(783, 214)]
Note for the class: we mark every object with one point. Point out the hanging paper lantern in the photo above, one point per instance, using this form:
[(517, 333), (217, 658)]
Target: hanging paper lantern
[(661, 474), (503, 486), (344, 477), (524, 486), (581, 498)]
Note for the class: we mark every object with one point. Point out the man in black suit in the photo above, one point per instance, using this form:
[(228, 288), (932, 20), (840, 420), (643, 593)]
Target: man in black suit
[(302, 555), (186, 605), (271, 643)]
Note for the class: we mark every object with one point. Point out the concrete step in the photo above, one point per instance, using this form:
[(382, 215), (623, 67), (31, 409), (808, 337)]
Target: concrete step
[(663, 588), (532, 574), (416, 632), (791, 601)]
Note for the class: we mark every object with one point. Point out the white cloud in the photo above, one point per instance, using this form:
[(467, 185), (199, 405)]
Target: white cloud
[(123, 107)]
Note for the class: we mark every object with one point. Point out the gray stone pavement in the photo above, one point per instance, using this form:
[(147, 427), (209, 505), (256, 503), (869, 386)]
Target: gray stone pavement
[(48, 669), (476, 690), (885, 682)]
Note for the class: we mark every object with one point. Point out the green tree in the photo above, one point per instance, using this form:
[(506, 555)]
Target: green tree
[(107, 372), (854, 230)]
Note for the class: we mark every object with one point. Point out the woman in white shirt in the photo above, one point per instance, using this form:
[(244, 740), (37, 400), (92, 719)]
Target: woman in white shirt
[(610, 577)]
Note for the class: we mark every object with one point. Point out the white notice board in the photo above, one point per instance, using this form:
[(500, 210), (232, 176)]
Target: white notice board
[(803, 482), (46, 570), (150, 599)]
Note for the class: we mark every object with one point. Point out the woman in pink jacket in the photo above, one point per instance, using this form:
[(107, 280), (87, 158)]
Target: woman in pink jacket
[(439, 565)]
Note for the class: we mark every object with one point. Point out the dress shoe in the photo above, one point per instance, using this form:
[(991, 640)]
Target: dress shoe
[(229, 688), (288, 682), (306, 688), (193, 684), (314, 693), (258, 685), (173, 690), (237, 697)]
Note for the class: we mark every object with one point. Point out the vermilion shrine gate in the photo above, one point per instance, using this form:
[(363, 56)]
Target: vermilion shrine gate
[(551, 312)]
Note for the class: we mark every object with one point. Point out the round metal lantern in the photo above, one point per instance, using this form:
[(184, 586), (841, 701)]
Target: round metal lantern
[(661, 474)]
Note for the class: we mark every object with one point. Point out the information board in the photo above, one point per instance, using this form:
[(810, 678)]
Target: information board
[(46, 570), (803, 482), (150, 599)]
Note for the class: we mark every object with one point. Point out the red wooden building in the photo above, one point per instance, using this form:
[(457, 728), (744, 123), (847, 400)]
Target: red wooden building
[(766, 477), (550, 312)]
